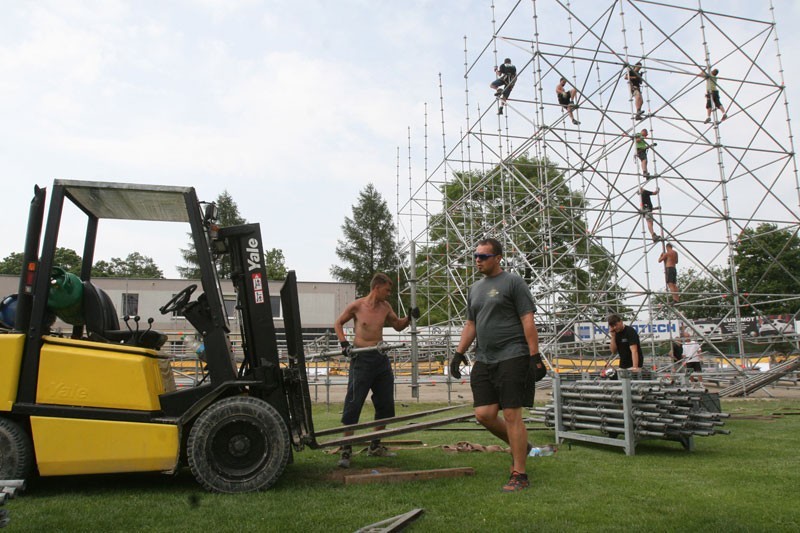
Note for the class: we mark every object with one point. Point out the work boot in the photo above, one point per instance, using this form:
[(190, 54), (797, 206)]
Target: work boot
[(499, 92), (576, 122), (344, 459), (517, 482), (656, 238), (377, 450), (707, 121), (639, 116)]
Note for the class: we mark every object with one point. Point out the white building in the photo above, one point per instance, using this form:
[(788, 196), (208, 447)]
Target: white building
[(320, 303)]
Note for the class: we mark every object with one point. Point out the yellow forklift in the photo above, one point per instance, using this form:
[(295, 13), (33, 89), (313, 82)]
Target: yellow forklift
[(102, 399)]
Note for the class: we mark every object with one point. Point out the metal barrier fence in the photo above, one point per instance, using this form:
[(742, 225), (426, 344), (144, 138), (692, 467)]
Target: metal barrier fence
[(328, 372)]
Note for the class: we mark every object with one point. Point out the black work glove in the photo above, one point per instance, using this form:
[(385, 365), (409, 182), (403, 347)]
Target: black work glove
[(414, 312), (455, 364), (537, 368), (345, 348)]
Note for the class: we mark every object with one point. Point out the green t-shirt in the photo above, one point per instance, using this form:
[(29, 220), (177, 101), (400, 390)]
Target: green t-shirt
[(711, 83), (641, 144), (495, 305)]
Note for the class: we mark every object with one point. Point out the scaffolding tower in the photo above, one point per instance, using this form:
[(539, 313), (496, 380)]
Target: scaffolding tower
[(563, 196)]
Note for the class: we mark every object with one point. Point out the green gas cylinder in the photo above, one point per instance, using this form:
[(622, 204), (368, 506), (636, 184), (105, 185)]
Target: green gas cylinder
[(66, 296)]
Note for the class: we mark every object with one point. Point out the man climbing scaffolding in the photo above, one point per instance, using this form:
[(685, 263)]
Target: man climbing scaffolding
[(670, 260), (712, 95), (504, 84), (641, 150), (634, 77), (567, 98), (647, 210)]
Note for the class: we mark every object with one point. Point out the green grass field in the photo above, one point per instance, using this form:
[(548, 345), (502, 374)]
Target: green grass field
[(746, 481)]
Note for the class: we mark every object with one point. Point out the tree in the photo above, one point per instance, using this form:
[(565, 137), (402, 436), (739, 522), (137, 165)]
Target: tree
[(227, 215), (11, 264), (66, 258), (368, 245), (135, 265), (275, 263), (481, 204), (767, 261)]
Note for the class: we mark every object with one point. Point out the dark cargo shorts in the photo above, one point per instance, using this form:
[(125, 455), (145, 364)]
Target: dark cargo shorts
[(507, 383)]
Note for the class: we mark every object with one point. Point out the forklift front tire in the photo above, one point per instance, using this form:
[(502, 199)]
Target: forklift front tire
[(16, 451), (239, 444)]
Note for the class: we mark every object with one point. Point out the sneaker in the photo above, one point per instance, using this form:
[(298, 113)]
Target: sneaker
[(344, 460), (657, 238), (639, 116), (707, 121), (576, 122), (517, 482), (380, 451), (499, 92)]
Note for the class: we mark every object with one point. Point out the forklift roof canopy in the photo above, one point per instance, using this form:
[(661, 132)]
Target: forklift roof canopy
[(128, 201)]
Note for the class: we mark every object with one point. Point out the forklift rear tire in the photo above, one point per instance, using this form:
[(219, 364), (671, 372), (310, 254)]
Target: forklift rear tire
[(16, 451), (239, 444)]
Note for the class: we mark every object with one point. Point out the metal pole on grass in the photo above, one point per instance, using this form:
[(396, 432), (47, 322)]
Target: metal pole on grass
[(414, 349)]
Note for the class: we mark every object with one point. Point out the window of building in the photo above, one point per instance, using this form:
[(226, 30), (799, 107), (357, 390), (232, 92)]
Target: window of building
[(130, 304), (230, 307), (275, 304)]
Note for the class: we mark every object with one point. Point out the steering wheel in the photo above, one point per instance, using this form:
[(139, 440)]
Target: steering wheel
[(178, 301)]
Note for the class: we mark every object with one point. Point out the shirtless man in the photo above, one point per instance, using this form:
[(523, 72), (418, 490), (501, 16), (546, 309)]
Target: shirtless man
[(369, 370), (670, 260), (567, 98)]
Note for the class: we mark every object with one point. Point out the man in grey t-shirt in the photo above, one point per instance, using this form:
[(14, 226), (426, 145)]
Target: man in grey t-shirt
[(500, 316)]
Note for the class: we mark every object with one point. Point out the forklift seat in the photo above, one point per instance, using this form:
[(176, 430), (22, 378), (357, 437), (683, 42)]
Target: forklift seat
[(103, 325)]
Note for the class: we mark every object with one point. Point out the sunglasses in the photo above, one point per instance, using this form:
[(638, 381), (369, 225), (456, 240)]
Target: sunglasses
[(483, 257)]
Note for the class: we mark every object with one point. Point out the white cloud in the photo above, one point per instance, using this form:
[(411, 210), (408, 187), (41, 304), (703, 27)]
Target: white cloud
[(293, 107)]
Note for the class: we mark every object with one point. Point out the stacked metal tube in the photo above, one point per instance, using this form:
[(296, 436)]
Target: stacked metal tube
[(762, 379), (659, 410)]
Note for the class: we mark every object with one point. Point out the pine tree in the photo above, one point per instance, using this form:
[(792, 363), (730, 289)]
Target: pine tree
[(368, 245)]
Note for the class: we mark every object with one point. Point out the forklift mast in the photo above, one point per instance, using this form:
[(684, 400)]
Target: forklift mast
[(243, 244)]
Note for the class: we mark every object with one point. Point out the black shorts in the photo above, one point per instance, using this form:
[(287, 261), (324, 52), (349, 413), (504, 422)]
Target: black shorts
[(715, 97), (642, 154), (507, 383), (369, 371), (672, 275), (697, 366), (508, 89), (564, 99)]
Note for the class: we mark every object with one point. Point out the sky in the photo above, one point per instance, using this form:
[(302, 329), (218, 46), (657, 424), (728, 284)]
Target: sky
[(292, 107)]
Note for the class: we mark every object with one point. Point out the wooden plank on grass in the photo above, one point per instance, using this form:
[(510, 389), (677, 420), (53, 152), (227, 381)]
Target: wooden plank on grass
[(411, 475)]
